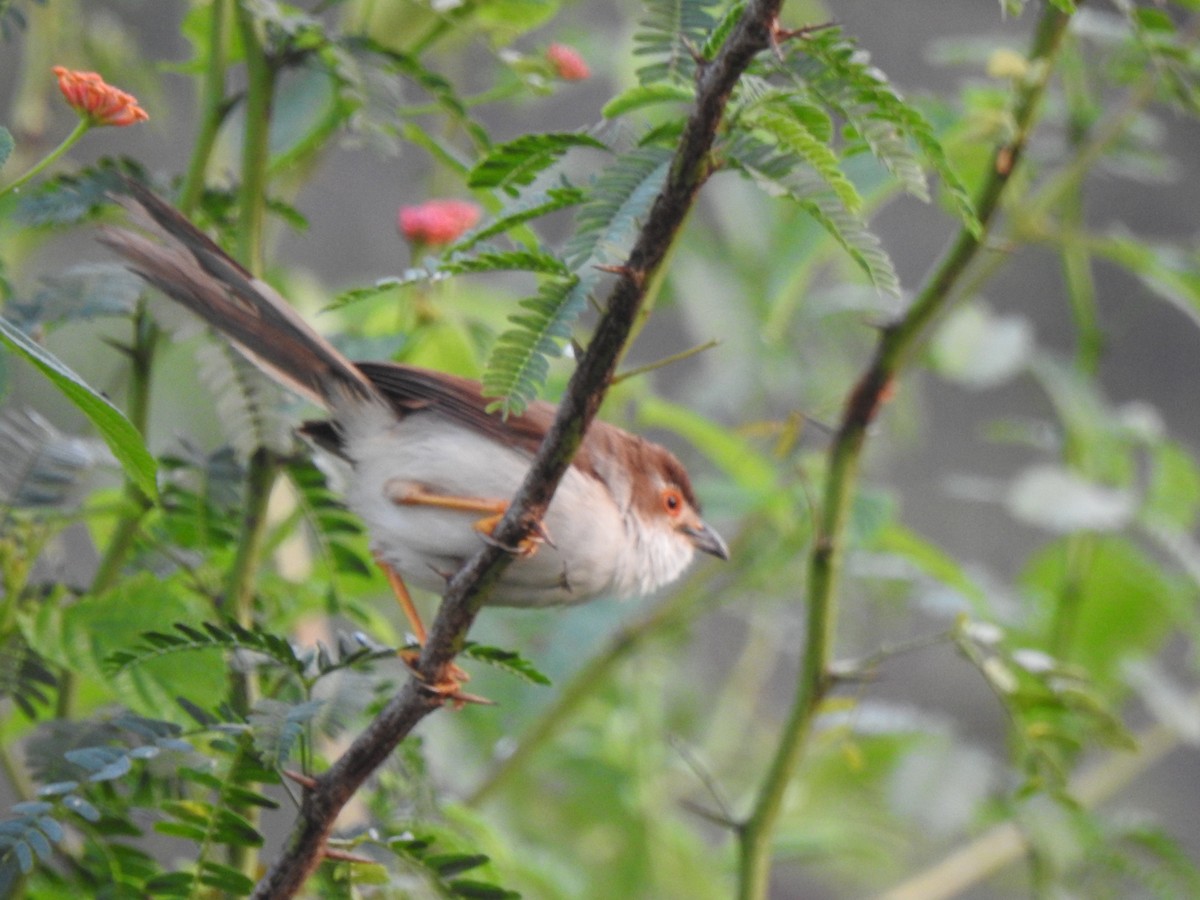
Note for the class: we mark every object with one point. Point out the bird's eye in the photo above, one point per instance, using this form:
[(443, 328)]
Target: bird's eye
[(672, 501)]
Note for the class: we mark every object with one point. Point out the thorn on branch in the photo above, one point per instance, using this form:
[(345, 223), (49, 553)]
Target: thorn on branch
[(853, 671), (345, 856), (875, 389), (780, 34), (697, 57), (1005, 157), (305, 781), (637, 276), (711, 816)]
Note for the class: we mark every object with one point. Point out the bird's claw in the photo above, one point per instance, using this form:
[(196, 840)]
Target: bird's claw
[(447, 685)]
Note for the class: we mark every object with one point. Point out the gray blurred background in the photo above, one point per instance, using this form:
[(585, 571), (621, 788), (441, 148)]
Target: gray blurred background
[(1152, 352)]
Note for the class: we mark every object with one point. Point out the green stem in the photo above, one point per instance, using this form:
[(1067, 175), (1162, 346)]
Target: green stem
[(897, 345), (135, 504), (260, 476), (1081, 292), (260, 94), (214, 106), (81, 128)]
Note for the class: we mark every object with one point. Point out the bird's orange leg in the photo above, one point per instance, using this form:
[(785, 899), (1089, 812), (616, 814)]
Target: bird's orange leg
[(405, 493), (449, 681)]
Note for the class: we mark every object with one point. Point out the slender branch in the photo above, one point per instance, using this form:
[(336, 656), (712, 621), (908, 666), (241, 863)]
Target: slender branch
[(896, 347), (81, 128), (262, 469), (214, 106), (469, 587), (134, 503), (260, 92)]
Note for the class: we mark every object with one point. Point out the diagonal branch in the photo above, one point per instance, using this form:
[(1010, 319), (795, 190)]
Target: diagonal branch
[(470, 586)]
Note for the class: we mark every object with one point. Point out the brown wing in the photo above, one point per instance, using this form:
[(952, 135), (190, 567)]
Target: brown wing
[(411, 389), (186, 265)]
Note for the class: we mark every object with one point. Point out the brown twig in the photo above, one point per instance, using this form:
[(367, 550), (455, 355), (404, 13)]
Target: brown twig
[(470, 586)]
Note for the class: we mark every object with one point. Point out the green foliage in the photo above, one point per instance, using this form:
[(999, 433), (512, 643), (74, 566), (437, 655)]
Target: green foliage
[(443, 869), (122, 438), (1020, 532), (507, 660), (605, 224), (71, 199), (229, 636), (526, 207), (517, 163), (671, 30)]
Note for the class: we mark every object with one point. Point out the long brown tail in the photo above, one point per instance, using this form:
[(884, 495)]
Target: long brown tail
[(186, 265)]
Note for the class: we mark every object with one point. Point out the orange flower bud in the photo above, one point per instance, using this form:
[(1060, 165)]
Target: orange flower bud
[(567, 63), (437, 222), (100, 103)]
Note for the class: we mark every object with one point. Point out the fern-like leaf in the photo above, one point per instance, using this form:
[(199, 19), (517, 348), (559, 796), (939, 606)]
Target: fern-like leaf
[(672, 30), (79, 293), (618, 202), (839, 75), (520, 360), (526, 207), (508, 660), (32, 829), (228, 636), (40, 467), (441, 867), (537, 261), (791, 132), (605, 227), (440, 90), (275, 727), (73, 198), (776, 174), (518, 162), (249, 404), (25, 678), (334, 528)]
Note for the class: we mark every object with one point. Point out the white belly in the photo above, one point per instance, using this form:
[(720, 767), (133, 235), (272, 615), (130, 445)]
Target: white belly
[(427, 545)]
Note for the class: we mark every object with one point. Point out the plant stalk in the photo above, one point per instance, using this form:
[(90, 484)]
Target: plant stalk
[(895, 350)]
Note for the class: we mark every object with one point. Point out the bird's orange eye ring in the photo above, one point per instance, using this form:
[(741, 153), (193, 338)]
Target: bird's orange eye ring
[(672, 501)]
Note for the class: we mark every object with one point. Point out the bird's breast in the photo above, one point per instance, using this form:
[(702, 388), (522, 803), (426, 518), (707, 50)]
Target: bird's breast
[(427, 544)]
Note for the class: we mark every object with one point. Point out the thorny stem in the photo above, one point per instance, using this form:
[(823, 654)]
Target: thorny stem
[(895, 350), (468, 588), (134, 504), (146, 337), (262, 469), (252, 195)]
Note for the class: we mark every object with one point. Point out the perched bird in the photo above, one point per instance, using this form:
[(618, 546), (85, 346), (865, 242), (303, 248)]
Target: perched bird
[(432, 469)]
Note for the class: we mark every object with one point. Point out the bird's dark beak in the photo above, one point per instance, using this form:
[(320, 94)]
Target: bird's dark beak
[(706, 540)]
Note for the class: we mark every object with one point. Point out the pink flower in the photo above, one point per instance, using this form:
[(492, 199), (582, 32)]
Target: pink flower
[(101, 103), (567, 63), (437, 222)]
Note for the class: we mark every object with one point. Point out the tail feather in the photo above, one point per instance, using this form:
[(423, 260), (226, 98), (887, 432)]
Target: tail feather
[(187, 266)]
